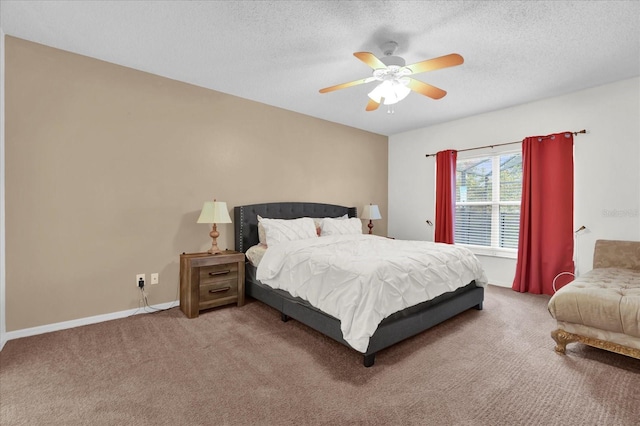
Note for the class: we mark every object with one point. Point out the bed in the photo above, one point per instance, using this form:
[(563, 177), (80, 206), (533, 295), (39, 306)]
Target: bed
[(392, 329)]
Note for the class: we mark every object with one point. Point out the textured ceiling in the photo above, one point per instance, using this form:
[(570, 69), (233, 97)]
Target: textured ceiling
[(282, 52)]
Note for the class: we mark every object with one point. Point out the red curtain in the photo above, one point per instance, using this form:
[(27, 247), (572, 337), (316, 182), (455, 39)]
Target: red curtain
[(445, 195), (545, 246)]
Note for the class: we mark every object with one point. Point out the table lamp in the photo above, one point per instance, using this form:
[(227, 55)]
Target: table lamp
[(370, 212), (214, 212)]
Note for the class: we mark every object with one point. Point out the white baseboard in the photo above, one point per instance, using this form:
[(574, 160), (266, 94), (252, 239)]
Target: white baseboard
[(26, 332)]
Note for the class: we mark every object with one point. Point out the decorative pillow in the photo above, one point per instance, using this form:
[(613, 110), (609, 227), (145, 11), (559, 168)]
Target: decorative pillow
[(317, 221), (280, 230), (255, 253), (349, 226)]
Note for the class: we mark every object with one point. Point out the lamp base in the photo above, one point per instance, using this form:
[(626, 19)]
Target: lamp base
[(370, 226), (214, 234)]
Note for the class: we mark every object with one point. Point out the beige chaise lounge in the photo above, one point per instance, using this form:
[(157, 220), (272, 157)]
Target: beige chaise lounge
[(602, 307)]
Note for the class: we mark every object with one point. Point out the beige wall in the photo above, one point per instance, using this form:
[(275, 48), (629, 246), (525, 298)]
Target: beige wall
[(107, 169)]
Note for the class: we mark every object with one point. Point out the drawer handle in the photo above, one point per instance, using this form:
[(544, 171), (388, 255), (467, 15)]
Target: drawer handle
[(219, 290), (213, 274)]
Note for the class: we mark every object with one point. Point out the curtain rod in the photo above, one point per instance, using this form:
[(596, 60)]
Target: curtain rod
[(499, 144)]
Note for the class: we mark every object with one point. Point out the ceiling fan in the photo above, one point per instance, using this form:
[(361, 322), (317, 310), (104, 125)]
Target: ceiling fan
[(393, 75)]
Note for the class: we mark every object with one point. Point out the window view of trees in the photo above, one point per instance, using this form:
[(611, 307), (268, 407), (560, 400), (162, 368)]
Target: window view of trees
[(488, 192)]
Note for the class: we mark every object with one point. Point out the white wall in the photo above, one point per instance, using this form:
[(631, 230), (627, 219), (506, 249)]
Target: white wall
[(607, 165)]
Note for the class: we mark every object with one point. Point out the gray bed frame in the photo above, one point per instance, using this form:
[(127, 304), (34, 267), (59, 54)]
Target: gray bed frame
[(391, 330)]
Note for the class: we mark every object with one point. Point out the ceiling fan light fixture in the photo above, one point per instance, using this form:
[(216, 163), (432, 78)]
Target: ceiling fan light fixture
[(390, 92)]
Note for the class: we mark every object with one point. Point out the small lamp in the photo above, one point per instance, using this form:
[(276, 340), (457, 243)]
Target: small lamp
[(370, 212), (214, 212)]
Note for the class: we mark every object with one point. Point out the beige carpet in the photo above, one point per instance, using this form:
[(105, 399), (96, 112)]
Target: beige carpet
[(244, 366)]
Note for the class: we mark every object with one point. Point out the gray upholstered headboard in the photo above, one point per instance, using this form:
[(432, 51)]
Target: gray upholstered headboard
[(245, 218)]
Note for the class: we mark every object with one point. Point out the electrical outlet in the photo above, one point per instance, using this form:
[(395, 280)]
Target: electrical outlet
[(140, 277), (154, 278)]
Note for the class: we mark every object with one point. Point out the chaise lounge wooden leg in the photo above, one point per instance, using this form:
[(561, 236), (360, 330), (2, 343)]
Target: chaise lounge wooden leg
[(284, 317), (562, 338)]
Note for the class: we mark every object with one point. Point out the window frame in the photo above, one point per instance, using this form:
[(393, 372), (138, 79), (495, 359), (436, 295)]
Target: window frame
[(494, 250)]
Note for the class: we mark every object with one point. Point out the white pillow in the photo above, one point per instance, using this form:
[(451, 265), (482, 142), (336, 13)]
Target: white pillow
[(349, 226), (262, 237), (281, 230), (317, 221)]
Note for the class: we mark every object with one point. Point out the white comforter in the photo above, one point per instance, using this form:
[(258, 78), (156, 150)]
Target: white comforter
[(362, 279)]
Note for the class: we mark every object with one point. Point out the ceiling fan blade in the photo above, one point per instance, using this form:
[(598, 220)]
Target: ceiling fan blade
[(370, 59), (436, 63), (345, 85), (425, 89), (372, 105)]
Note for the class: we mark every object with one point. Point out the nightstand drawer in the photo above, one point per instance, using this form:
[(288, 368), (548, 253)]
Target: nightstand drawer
[(220, 289), (216, 273)]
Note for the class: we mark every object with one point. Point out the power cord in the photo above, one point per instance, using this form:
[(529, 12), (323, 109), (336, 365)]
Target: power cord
[(576, 264), (559, 275), (152, 310), (143, 303)]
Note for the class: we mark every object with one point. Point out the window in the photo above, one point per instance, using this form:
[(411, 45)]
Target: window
[(488, 192)]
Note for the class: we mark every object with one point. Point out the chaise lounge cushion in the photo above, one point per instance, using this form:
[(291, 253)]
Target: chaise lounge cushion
[(605, 298)]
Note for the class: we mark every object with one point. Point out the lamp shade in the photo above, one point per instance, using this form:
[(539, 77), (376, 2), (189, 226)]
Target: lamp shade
[(371, 212), (214, 212)]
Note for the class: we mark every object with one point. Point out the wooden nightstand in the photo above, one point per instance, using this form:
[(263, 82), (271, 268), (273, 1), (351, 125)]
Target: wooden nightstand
[(210, 280)]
